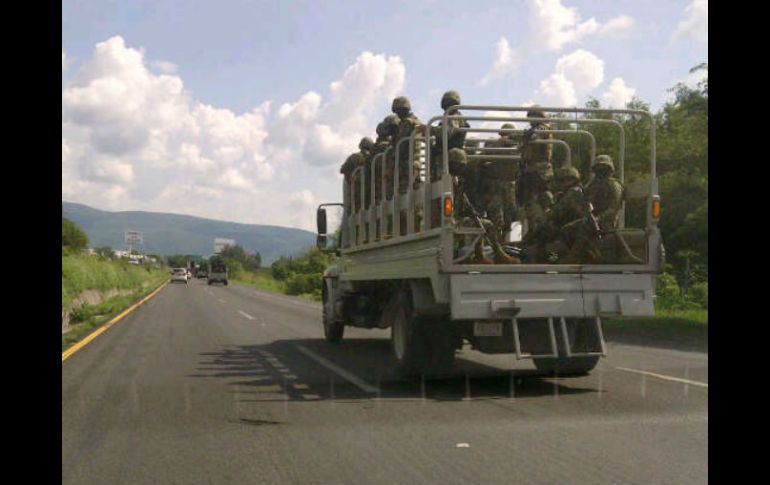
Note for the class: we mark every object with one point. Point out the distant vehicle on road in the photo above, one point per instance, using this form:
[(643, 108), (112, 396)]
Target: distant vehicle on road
[(202, 273), (217, 271), (179, 274)]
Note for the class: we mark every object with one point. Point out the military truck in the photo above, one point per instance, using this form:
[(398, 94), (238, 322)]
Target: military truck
[(217, 271), (400, 267)]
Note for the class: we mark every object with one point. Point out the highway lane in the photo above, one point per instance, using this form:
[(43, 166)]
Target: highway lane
[(212, 384)]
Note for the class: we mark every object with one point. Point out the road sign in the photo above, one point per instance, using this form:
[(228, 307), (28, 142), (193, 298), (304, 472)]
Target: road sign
[(133, 237), (219, 244)]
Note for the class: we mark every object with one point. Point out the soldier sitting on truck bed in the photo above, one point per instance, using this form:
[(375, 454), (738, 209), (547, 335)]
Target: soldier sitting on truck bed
[(352, 197), (536, 172), (455, 139), (406, 125), (605, 193), (499, 176), (470, 209), (566, 230)]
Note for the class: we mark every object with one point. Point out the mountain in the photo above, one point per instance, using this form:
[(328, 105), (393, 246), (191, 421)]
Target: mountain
[(179, 234)]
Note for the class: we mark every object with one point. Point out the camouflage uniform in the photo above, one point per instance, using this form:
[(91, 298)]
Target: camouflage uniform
[(365, 146), (348, 169), (380, 145), (406, 125), (566, 229), (455, 136), (391, 123), (500, 182), (605, 194), (468, 182), (536, 172)]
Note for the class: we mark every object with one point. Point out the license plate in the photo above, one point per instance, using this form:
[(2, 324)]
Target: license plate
[(487, 329)]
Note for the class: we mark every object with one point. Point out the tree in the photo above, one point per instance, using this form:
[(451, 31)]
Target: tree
[(72, 236)]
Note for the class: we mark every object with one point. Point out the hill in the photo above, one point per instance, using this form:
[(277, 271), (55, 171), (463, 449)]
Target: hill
[(180, 234)]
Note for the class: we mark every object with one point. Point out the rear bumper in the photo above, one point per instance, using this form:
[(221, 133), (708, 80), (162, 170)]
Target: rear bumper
[(495, 296)]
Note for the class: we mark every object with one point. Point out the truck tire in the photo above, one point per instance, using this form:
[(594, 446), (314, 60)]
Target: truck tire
[(333, 330), (407, 337), (225, 282), (564, 366)]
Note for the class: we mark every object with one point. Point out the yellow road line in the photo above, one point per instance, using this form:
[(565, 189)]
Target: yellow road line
[(67, 353)]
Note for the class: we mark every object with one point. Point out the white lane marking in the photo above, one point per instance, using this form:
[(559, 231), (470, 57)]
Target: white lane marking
[(246, 315), (221, 300), (361, 384), (664, 377)]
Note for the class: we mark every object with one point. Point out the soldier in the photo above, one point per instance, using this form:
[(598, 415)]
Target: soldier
[(406, 125), (365, 146), (501, 178), (455, 136), (455, 139), (567, 228), (466, 185), (348, 169), (605, 193), (390, 133), (536, 172)]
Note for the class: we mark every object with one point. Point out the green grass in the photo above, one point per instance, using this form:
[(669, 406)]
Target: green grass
[(88, 318), (81, 272), (262, 279)]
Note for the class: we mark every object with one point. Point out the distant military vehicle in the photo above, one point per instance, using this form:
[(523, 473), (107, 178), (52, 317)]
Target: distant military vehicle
[(217, 271), (394, 272)]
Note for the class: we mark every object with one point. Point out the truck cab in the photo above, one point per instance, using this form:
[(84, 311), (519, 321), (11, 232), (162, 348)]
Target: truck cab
[(403, 268)]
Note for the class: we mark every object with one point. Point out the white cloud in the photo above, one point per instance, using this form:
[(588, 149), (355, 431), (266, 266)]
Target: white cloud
[(506, 63), (556, 90), (617, 94), (554, 25), (583, 69), (695, 23), (165, 67), (574, 76), (136, 139)]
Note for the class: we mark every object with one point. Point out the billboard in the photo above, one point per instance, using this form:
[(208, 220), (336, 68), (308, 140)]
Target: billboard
[(133, 237), (219, 244)]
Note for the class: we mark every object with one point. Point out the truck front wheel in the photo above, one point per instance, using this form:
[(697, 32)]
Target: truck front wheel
[(333, 330)]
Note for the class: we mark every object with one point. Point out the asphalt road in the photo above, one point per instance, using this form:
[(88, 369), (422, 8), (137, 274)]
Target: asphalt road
[(220, 384)]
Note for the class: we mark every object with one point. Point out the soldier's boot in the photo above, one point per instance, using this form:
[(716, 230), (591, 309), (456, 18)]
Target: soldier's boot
[(502, 258), (478, 255)]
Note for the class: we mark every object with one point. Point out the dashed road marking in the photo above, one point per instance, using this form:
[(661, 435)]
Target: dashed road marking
[(664, 377), (246, 315), (221, 300), (353, 379)]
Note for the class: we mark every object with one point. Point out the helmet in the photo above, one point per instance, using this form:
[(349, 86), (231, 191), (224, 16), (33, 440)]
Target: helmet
[(401, 102), (535, 113), (603, 162), (450, 98), (382, 129), (457, 159), (366, 143), (567, 173), (507, 126)]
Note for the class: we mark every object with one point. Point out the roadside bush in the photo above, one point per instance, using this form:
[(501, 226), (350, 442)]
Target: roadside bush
[(699, 294), (669, 295)]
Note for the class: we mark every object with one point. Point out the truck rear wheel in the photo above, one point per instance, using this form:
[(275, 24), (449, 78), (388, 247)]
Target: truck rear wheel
[(333, 330), (567, 366), (420, 344)]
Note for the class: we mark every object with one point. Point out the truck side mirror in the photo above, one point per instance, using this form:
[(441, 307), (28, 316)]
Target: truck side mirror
[(321, 221), (321, 242)]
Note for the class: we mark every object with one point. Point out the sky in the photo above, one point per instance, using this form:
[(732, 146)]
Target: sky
[(244, 110)]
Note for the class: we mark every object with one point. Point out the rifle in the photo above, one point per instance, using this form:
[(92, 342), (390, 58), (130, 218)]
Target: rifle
[(487, 230)]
